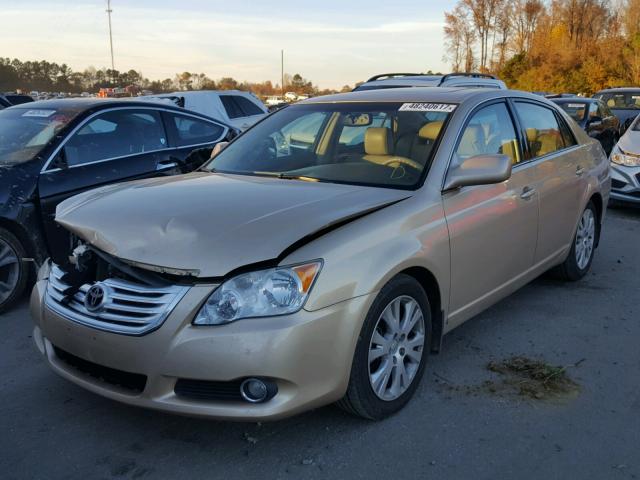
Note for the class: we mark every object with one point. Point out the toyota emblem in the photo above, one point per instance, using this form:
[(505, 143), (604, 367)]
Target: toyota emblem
[(95, 297)]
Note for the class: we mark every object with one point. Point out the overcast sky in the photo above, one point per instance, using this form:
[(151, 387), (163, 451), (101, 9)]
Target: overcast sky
[(332, 43)]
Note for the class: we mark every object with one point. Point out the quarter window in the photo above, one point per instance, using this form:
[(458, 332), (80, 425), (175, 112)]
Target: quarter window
[(490, 131), (542, 129), (192, 131), (248, 107), (115, 134)]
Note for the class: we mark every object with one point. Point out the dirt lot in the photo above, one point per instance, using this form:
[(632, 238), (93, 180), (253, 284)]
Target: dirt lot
[(469, 419)]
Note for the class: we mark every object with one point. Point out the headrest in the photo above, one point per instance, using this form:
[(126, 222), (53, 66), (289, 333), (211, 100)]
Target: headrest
[(472, 141), (377, 141), (532, 134), (431, 130)]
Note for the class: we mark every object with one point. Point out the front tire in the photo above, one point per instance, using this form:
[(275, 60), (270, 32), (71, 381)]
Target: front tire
[(13, 274), (580, 257), (391, 352)]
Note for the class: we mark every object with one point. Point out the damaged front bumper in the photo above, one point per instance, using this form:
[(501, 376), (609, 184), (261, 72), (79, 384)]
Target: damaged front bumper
[(193, 370)]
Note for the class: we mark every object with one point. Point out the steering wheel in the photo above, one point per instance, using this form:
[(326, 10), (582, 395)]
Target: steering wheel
[(403, 161)]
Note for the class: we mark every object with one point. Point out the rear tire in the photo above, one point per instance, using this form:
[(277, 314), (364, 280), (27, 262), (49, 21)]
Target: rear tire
[(583, 248), (389, 361), (13, 272)]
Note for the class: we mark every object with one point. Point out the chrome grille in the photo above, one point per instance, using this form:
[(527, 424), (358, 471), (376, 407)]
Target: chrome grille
[(127, 307)]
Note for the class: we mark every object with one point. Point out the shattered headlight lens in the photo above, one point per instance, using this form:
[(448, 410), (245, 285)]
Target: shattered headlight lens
[(266, 293), (622, 158)]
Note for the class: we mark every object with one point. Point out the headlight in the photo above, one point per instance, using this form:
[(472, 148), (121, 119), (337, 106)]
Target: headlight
[(621, 158), (277, 291)]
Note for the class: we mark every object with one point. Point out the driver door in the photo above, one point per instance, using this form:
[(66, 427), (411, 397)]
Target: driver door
[(492, 228)]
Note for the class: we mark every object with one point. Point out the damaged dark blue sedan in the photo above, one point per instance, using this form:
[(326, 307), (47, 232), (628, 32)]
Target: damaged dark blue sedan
[(52, 150)]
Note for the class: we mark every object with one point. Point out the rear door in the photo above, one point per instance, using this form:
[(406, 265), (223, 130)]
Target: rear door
[(559, 176), (111, 146), (493, 228)]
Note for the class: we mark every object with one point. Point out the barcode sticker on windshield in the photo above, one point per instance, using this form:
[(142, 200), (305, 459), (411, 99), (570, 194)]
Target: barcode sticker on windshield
[(576, 105), (38, 113), (428, 107)]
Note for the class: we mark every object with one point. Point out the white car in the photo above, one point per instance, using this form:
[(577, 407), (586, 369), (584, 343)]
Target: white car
[(236, 108), (274, 100)]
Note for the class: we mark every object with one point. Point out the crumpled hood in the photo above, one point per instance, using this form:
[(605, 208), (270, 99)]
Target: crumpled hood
[(212, 223), (630, 142)]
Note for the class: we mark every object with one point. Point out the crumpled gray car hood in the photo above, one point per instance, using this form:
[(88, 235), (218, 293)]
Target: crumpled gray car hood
[(211, 223)]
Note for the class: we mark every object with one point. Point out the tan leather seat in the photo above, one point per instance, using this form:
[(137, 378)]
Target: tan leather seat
[(378, 147), (430, 131), (549, 142), (472, 142), (377, 141)]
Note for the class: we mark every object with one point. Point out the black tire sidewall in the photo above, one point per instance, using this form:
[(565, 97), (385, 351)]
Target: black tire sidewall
[(359, 382), (23, 275)]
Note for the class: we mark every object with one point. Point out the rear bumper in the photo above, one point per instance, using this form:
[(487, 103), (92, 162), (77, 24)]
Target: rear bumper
[(308, 355)]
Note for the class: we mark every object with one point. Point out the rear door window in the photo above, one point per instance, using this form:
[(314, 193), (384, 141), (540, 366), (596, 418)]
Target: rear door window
[(541, 128), (193, 131)]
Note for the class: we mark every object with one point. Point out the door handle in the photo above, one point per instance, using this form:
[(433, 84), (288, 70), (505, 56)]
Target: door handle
[(579, 171), (167, 164), (527, 193)]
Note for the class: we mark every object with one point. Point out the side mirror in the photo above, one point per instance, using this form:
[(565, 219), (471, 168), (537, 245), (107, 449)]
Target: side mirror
[(60, 160), (218, 148), (479, 170)]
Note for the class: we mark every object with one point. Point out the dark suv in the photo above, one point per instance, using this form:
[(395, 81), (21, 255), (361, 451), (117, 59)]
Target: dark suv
[(623, 102)]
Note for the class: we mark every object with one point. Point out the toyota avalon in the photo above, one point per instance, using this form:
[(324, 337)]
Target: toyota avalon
[(321, 256)]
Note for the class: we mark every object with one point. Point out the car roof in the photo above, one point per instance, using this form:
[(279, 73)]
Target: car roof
[(420, 94), (78, 105), (619, 90), (574, 100)]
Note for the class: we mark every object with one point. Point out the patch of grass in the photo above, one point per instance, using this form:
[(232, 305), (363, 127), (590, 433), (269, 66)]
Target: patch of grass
[(533, 379)]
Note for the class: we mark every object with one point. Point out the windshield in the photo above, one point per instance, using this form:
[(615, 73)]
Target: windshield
[(577, 111), (621, 100), (378, 144), (25, 131)]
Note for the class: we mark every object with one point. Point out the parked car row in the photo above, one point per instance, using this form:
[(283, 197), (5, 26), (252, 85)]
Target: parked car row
[(319, 257)]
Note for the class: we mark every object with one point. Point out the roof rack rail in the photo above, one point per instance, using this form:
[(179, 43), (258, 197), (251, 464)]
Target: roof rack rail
[(391, 75), (467, 74)]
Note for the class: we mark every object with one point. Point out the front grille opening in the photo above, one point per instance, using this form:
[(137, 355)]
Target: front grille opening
[(617, 184), (209, 390), (134, 382)]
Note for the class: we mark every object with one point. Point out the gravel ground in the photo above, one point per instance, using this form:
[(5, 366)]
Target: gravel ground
[(455, 427)]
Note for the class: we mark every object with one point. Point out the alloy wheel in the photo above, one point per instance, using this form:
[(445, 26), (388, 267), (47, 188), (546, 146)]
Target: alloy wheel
[(9, 270), (396, 348), (585, 238)]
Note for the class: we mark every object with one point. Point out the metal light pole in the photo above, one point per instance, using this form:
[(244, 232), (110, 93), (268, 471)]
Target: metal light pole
[(110, 39), (282, 70)]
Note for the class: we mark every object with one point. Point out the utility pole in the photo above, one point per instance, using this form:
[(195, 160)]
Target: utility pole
[(282, 70), (110, 39)]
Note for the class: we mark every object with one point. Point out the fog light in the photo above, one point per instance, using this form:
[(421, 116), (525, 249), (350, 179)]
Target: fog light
[(255, 390)]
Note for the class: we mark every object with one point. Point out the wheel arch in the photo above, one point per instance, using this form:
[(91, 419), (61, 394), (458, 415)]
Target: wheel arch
[(21, 234), (431, 287)]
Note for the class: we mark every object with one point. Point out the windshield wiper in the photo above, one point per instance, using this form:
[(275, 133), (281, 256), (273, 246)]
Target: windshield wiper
[(286, 176)]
